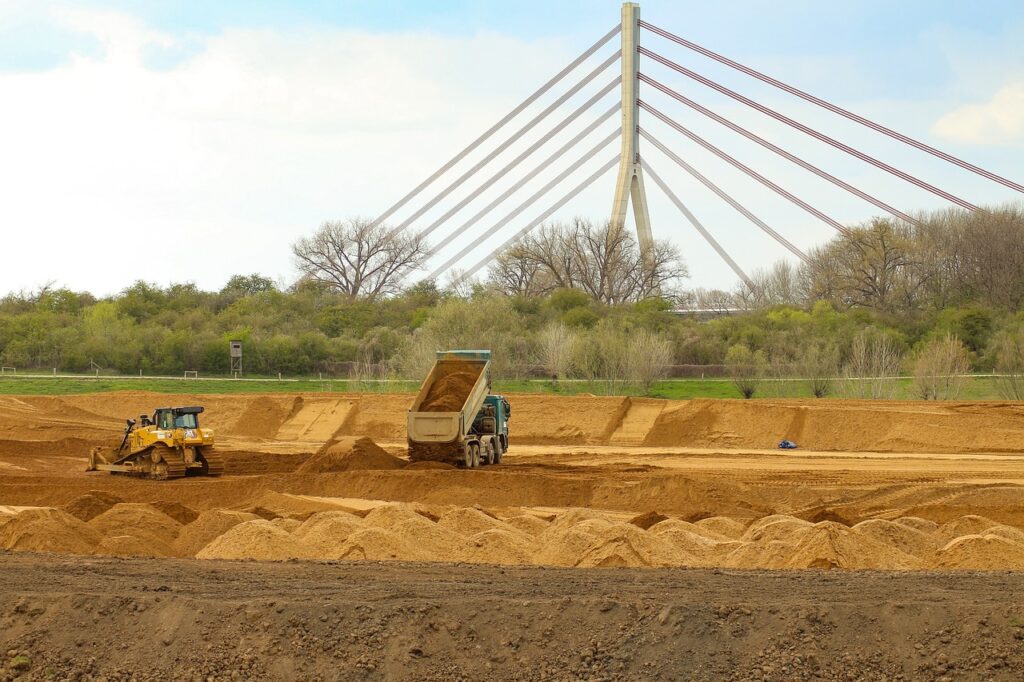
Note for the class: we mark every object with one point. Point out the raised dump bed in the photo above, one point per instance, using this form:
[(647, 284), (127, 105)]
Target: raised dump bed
[(453, 417)]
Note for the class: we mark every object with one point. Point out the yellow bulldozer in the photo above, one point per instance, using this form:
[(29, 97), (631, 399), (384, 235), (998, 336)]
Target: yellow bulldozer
[(170, 444)]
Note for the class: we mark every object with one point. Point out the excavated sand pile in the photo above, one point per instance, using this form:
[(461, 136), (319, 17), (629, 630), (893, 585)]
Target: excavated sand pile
[(451, 387), (573, 537), (90, 505), (350, 454), (48, 530)]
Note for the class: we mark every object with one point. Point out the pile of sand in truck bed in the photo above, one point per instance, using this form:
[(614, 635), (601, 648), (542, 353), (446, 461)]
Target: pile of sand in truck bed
[(350, 453), (451, 387)]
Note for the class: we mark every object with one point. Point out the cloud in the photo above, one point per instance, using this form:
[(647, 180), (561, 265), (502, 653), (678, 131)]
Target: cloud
[(998, 121), (214, 164)]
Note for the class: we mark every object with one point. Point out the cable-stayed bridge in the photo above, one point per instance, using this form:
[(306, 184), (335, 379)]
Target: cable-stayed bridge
[(493, 203)]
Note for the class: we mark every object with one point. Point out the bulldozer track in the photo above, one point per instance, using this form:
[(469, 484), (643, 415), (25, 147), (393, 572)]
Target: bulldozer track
[(214, 464)]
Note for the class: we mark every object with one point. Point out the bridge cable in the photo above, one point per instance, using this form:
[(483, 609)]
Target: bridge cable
[(587, 156), (808, 130), (548, 162), (778, 150), (696, 224), (833, 108), (542, 217), (746, 169), (493, 129), (725, 196), (530, 150), (509, 142)]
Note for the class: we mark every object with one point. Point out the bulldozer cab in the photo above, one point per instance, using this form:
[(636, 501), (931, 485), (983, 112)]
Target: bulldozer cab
[(169, 418)]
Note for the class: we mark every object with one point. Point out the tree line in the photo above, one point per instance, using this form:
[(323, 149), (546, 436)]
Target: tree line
[(573, 301)]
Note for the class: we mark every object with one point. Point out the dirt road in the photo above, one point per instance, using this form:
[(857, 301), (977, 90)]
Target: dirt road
[(72, 618)]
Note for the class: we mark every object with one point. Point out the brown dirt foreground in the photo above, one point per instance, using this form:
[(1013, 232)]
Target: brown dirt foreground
[(146, 619)]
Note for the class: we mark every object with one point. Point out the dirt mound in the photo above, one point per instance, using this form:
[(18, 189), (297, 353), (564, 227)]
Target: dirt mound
[(258, 539), (152, 530), (971, 524), (350, 454), (209, 525), (777, 527), (730, 528), (327, 531), (981, 552), (832, 545), (451, 387), (647, 519), (90, 505), (48, 530), (527, 523), (625, 545), (262, 417), (498, 546), (469, 521), (176, 511), (904, 538)]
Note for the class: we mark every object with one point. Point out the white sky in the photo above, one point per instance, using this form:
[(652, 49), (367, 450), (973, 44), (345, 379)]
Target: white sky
[(113, 169)]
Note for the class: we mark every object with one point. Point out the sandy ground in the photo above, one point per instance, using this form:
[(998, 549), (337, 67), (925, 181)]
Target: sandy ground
[(928, 491), (61, 618)]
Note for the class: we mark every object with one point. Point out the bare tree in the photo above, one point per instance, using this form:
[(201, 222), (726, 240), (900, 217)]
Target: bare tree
[(649, 357), (358, 258), (746, 369), (557, 349), (940, 369), (818, 364), (605, 261), (1009, 366), (874, 363)]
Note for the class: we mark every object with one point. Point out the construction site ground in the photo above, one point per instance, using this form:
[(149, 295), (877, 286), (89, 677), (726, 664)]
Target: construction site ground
[(620, 537)]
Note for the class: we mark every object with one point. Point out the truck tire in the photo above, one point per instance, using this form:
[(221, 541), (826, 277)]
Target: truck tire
[(487, 453), (496, 459), (467, 456), (476, 455)]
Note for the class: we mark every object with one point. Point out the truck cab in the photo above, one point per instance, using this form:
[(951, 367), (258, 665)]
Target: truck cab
[(492, 421)]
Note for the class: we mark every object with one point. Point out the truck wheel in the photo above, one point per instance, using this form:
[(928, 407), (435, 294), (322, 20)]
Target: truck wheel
[(487, 454), (497, 451), (476, 455), (467, 456)]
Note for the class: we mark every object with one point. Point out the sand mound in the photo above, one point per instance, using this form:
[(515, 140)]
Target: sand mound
[(90, 505), (647, 519), (624, 544), (133, 529), (209, 525), (262, 418), (965, 525), (387, 515), (902, 537), (981, 552), (722, 525), (350, 454), (258, 539), (468, 521), (527, 523), (497, 546), (917, 523), (326, 532), (451, 387), (48, 530), (378, 544), (777, 527), (576, 515), (561, 546), (176, 511), (1015, 535), (772, 554), (687, 538), (833, 545)]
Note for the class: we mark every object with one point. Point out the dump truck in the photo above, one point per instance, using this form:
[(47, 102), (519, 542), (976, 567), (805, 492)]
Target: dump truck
[(170, 444), (455, 418)]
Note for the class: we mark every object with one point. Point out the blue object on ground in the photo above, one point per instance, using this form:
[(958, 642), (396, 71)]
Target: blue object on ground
[(787, 445)]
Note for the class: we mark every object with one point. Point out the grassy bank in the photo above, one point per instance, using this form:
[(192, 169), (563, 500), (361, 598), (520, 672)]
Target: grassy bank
[(975, 387)]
